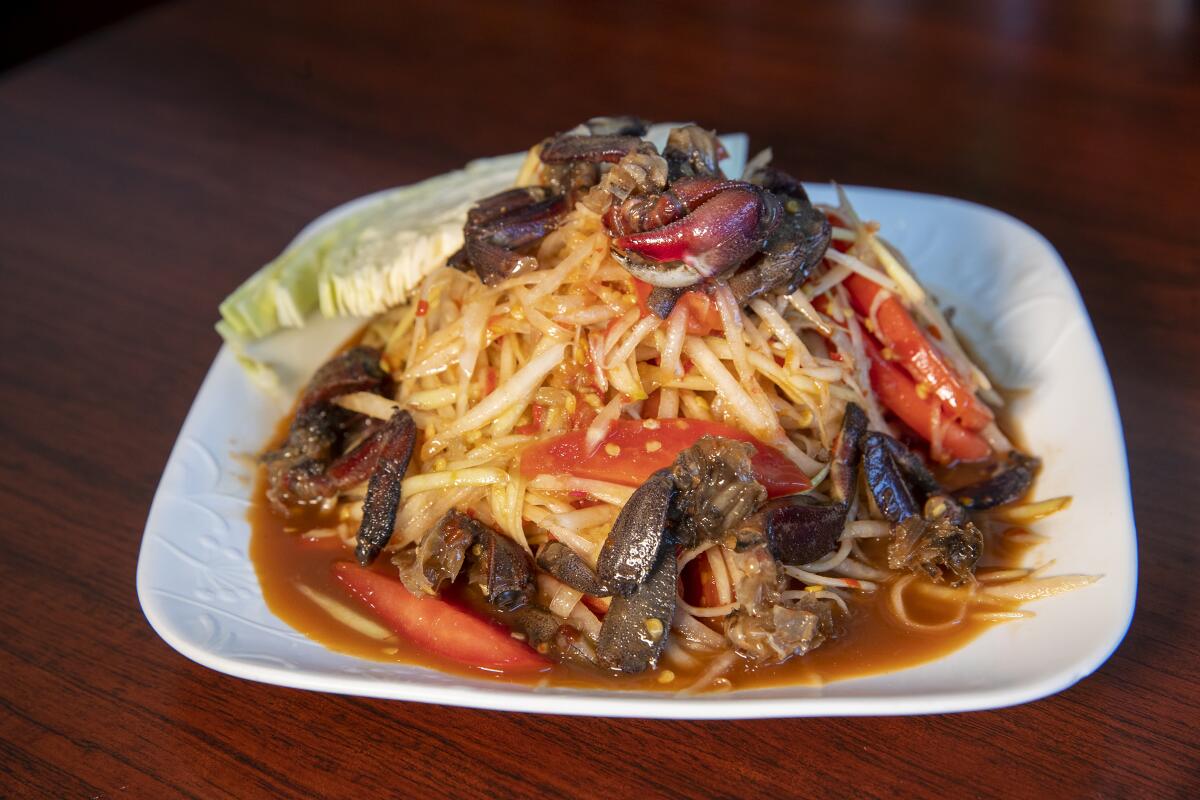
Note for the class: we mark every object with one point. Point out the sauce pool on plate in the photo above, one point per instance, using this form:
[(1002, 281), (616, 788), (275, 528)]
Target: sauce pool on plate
[(870, 642)]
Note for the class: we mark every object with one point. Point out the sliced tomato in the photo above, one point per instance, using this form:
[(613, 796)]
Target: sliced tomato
[(437, 626), (898, 392), (632, 451), (703, 316), (898, 331)]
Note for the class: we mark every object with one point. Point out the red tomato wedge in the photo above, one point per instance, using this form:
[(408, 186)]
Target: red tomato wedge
[(437, 626), (899, 394), (703, 316), (637, 451), (898, 331)]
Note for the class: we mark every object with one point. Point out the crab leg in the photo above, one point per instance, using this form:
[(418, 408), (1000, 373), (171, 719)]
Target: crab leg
[(886, 482), (562, 562), (1004, 487), (843, 471), (383, 491)]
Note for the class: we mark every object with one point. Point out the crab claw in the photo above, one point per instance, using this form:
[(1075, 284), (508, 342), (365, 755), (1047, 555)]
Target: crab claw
[(635, 628), (713, 239), (1006, 486), (502, 571), (913, 468), (938, 540), (496, 564), (304, 469), (641, 213), (798, 529), (499, 227), (795, 248), (843, 470)]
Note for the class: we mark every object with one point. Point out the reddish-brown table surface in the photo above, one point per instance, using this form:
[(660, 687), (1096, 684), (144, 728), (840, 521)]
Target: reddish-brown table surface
[(145, 170)]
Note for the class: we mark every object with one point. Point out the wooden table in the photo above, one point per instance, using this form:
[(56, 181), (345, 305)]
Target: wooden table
[(147, 169)]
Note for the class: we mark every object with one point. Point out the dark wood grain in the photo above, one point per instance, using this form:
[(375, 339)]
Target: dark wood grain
[(146, 170)]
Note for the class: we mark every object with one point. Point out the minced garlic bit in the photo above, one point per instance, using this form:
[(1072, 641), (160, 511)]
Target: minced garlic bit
[(666, 676), (923, 390), (653, 446), (654, 627), (814, 589), (612, 449), (651, 424)]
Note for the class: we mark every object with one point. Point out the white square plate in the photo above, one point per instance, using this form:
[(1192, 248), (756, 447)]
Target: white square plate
[(1015, 303)]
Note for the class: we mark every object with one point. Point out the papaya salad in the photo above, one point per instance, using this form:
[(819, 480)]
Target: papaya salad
[(652, 426)]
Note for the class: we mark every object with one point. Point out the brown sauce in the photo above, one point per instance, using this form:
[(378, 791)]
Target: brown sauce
[(871, 641)]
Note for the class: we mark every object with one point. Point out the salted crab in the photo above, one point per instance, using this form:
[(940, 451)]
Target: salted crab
[(329, 449), (676, 222)]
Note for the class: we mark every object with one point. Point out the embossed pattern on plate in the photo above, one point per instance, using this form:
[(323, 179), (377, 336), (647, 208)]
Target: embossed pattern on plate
[(1015, 303)]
